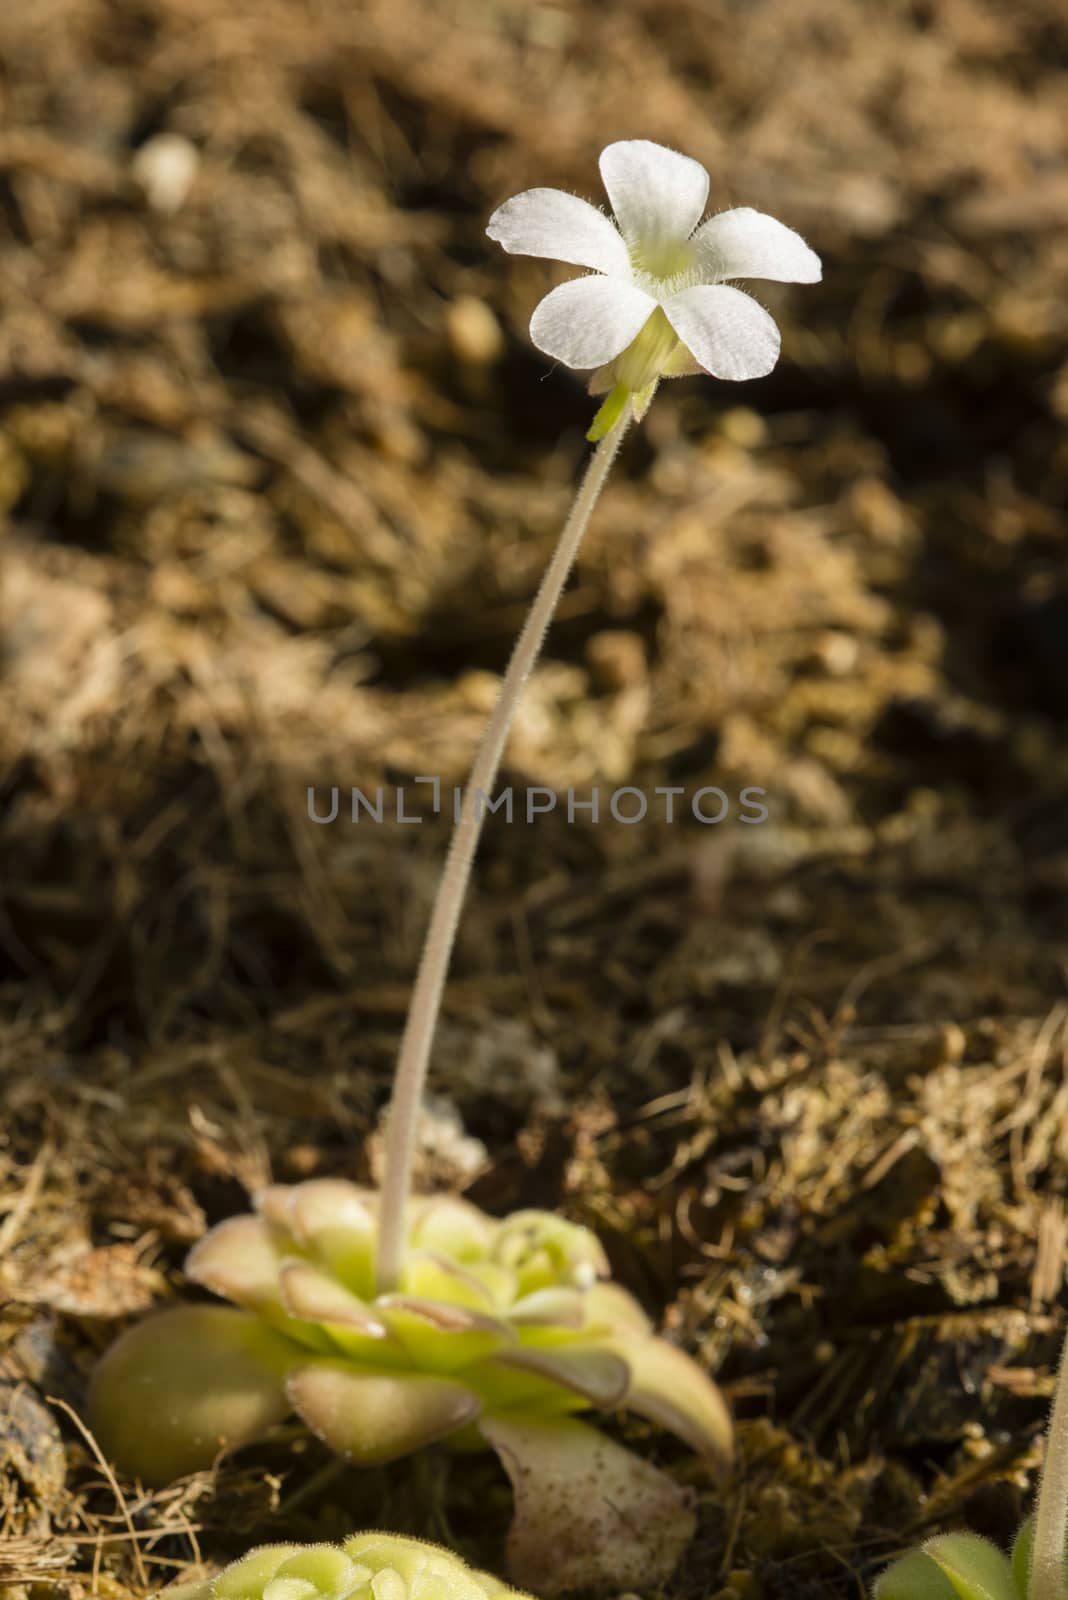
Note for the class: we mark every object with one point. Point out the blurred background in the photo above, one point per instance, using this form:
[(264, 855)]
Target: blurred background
[(279, 472)]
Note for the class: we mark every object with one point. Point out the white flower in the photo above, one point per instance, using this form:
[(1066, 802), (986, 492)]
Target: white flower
[(657, 303)]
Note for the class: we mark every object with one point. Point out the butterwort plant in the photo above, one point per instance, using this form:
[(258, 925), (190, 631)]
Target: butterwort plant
[(499, 1333), (966, 1566), (388, 1322), (367, 1566)]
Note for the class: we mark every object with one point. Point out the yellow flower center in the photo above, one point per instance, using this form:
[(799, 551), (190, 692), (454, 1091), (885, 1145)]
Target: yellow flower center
[(662, 258)]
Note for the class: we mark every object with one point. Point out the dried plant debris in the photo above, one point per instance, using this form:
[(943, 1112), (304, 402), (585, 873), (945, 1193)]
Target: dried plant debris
[(278, 473)]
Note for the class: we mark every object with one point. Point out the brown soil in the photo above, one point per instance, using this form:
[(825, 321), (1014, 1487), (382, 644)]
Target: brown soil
[(280, 470)]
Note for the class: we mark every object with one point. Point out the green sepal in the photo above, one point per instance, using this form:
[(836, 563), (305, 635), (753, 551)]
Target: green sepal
[(609, 414), (641, 400)]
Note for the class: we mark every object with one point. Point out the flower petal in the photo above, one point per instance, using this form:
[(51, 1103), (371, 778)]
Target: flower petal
[(373, 1417), (176, 1389), (725, 330), (669, 1388), (589, 1515), (548, 222), (656, 193), (749, 244), (588, 321)]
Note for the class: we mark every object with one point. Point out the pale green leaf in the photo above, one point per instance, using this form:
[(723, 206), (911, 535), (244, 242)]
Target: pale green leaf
[(915, 1576), (976, 1568)]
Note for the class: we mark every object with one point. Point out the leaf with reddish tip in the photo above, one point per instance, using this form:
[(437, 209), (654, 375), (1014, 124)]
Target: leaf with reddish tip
[(428, 1276), (669, 1388), (176, 1389), (370, 1416), (551, 1308), (312, 1295), (440, 1337), (588, 1513), (598, 1375), (334, 1221), (239, 1260), (272, 1203), (611, 1305)]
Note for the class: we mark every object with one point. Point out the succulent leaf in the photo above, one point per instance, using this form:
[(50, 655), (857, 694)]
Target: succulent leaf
[(443, 1338), (434, 1277), (610, 1306), (372, 1416), (974, 1566), (239, 1261), (545, 1251), (589, 1514), (334, 1222), (312, 1295), (563, 1309), (1020, 1560), (916, 1576), (671, 1390), (175, 1390), (599, 1375)]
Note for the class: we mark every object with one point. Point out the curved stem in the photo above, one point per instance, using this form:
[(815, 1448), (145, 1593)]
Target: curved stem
[(403, 1115), (1046, 1580)]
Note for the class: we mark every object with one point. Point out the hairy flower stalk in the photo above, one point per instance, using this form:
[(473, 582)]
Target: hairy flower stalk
[(368, 1566), (403, 1115)]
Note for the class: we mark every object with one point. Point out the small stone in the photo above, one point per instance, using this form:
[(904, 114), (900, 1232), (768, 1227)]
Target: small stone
[(837, 653), (165, 168), (743, 427), (473, 332)]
